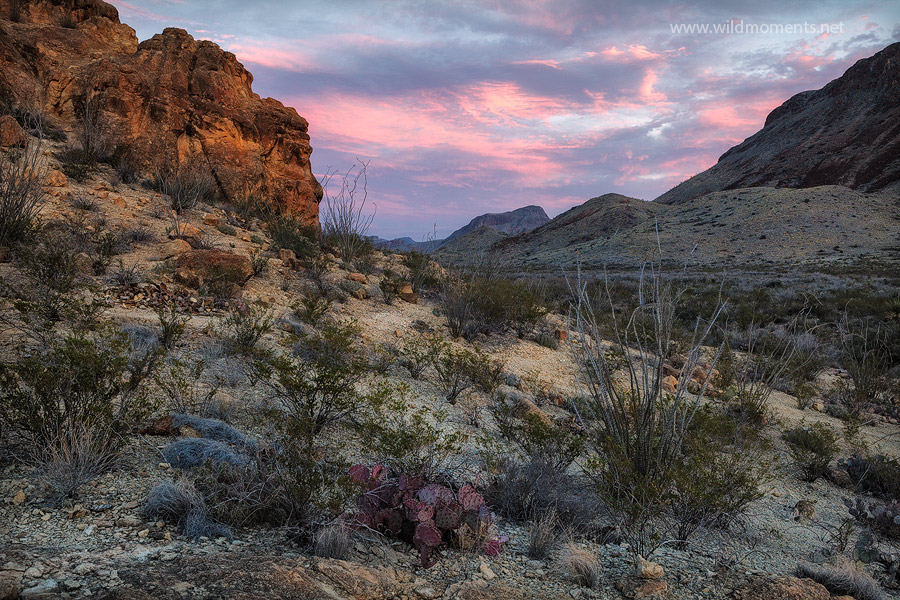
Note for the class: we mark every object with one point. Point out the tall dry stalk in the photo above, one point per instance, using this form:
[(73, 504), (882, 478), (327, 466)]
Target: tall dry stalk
[(22, 178), (343, 217), (636, 430)]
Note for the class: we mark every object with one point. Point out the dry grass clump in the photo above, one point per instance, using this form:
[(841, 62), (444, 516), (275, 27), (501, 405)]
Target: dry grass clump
[(843, 578), (73, 459), (180, 503), (543, 535), (581, 564), (333, 541)]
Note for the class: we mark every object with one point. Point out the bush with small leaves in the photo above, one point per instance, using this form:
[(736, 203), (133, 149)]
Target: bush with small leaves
[(407, 439), (185, 390), (547, 340), (186, 185), (390, 287), (290, 234), (244, 326), (172, 325), (312, 307), (812, 448), (876, 474), (226, 229), (422, 513), (90, 379), (259, 262), (420, 352), (461, 369), (424, 273)]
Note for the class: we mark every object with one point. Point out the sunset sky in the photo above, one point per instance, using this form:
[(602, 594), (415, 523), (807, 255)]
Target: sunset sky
[(464, 108)]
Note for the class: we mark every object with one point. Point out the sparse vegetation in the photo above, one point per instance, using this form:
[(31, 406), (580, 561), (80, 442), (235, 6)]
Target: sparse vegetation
[(812, 447)]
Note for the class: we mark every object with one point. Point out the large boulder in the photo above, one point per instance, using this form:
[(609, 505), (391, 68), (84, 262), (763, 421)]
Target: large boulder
[(224, 270), (784, 588), (171, 99)]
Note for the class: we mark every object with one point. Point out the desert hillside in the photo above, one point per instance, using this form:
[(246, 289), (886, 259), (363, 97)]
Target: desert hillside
[(213, 385)]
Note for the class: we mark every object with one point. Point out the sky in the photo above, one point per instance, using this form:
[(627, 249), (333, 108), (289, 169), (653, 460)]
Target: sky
[(460, 108)]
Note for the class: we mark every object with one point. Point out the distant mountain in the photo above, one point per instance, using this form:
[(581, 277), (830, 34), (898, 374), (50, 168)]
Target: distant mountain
[(818, 185), (516, 221), (512, 222), (847, 133)]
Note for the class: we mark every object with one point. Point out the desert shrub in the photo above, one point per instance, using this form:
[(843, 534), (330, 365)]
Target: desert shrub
[(523, 491), (419, 353), (876, 474), (186, 184), (126, 276), (192, 452), (288, 233), (76, 164), (865, 353), (547, 340), (172, 325), (422, 513), (390, 287), (21, 193), (244, 326), (812, 448), (843, 578), (91, 139), (344, 224), (424, 273), (312, 307), (89, 379), (138, 234), (181, 504), (482, 302), (125, 163), (333, 541), (226, 229), (183, 386), (637, 433), (721, 471), (73, 459), (53, 277), (539, 439), (259, 262), (581, 564), (84, 203), (543, 536), (461, 369), (406, 439), (805, 393), (311, 390)]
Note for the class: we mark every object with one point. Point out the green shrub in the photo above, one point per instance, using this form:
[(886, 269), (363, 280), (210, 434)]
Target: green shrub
[(93, 380), (539, 440), (259, 262), (424, 274), (390, 287), (312, 307), (876, 474), (172, 325), (290, 234), (76, 164), (812, 448), (244, 326), (226, 229), (407, 439), (547, 340), (461, 369), (421, 352), (476, 303)]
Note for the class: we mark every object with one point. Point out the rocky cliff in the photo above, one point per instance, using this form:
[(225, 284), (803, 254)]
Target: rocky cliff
[(170, 99), (847, 133)]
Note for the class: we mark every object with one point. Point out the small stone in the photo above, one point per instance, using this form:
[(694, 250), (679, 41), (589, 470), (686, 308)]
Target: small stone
[(649, 570), (358, 278), (19, 497), (57, 178), (143, 533), (211, 220), (34, 572), (486, 571), (120, 202)]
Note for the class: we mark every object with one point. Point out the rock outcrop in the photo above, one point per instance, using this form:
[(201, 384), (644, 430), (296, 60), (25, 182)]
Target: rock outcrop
[(847, 133), (170, 99)]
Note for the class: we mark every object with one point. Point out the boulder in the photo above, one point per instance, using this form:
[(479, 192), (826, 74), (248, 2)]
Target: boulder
[(784, 588), (649, 570), (197, 268), (359, 278), (211, 220), (638, 588), (11, 133)]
